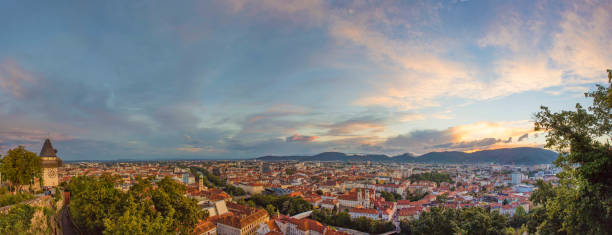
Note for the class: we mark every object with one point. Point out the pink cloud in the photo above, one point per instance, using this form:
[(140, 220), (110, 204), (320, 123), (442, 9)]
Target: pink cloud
[(301, 138), (13, 78)]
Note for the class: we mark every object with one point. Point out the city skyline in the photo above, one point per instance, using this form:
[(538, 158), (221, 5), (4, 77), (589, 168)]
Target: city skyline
[(241, 79)]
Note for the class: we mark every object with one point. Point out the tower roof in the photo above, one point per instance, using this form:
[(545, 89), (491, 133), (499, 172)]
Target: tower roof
[(48, 150)]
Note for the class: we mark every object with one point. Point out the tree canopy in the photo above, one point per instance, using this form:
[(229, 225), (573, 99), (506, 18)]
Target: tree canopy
[(284, 204), (473, 220), (20, 167), (582, 202), (97, 206)]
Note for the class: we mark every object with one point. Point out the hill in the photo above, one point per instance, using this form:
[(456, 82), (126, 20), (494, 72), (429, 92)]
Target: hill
[(520, 156)]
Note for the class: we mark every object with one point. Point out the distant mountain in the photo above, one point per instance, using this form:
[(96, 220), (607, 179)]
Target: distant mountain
[(520, 156)]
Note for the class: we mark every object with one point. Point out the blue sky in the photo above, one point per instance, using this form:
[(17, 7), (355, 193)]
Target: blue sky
[(240, 79)]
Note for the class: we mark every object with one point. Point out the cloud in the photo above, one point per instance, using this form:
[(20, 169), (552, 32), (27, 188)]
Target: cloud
[(523, 137), (468, 144), (412, 117), (583, 43), (301, 138), (480, 135), (13, 78), (354, 127)]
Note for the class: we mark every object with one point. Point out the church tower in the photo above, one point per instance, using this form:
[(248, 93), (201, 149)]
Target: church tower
[(50, 163), (201, 186)]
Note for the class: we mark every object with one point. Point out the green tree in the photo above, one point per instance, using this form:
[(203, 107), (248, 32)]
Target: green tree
[(169, 199), (17, 220), (582, 202), (20, 167), (139, 220), (519, 218), (97, 206), (473, 220), (272, 211), (92, 200)]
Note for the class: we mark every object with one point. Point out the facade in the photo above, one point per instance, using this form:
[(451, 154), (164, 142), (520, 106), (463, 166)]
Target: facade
[(244, 220), (329, 204), (363, 212), (50, 163), (304, 227), (517, 178), (357, 198), (409, 213)]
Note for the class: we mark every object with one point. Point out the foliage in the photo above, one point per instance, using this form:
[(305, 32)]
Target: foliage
[(472, 220), (442, 198), (218, 182), (290, 171), (10, 199), (272, 211), (433, 176), (92, 200), (390, 197), (19, 167), (98, 207), (17, 220), (582, 202), (169, 199), (285, 204), (138, 219), (416, 196), (519, 218), (343, 219)]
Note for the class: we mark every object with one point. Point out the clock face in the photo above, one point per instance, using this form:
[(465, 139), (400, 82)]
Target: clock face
[(52, 172)]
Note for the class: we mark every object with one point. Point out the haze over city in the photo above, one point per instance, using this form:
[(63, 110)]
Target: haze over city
[(240, 79)]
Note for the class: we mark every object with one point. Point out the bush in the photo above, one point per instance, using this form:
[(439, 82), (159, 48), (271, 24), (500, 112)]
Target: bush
[(10, 199), (17, 220)]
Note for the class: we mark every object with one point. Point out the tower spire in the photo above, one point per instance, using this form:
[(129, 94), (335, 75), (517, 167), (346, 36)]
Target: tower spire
[(48, 150)]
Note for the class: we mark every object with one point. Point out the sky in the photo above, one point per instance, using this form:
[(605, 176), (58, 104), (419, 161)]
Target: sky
[(238, 79)]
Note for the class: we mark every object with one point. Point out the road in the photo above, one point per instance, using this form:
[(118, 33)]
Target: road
[(67, 228)]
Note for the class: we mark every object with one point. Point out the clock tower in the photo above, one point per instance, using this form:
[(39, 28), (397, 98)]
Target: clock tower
[(50, 163)]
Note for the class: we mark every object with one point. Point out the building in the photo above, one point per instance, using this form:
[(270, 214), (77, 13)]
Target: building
[(329, 204), (50, 163), (357, 198), (517, 178), (304, 227), (214, 208), (205, 228), (252, 188), (409, 213), (244, 220), (363, 212)]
